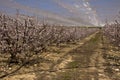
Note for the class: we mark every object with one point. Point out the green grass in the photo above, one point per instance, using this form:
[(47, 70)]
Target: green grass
[(74, 64)]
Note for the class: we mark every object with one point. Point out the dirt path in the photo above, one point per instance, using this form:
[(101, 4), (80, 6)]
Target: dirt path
[(87, 62), (81, 61)]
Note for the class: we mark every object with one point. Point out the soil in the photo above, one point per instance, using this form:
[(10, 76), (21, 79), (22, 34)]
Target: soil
[(86, 59)]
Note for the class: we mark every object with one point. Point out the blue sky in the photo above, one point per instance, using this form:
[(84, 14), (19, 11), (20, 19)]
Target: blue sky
[(106, 8), (73, 12)]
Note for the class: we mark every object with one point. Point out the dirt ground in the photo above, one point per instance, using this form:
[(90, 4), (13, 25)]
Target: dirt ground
[(88, 59)]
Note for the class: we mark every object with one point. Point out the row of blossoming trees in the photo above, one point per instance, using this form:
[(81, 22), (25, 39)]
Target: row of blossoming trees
[(112, 31), (21, 38)]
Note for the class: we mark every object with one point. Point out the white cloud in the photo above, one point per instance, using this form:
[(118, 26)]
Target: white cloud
[(40, 12), (77, 6), (80, 9), (89, 8), (92, 13), (85, 5)]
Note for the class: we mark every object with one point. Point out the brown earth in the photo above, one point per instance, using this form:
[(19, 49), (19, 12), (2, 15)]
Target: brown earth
[(82, 60)]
